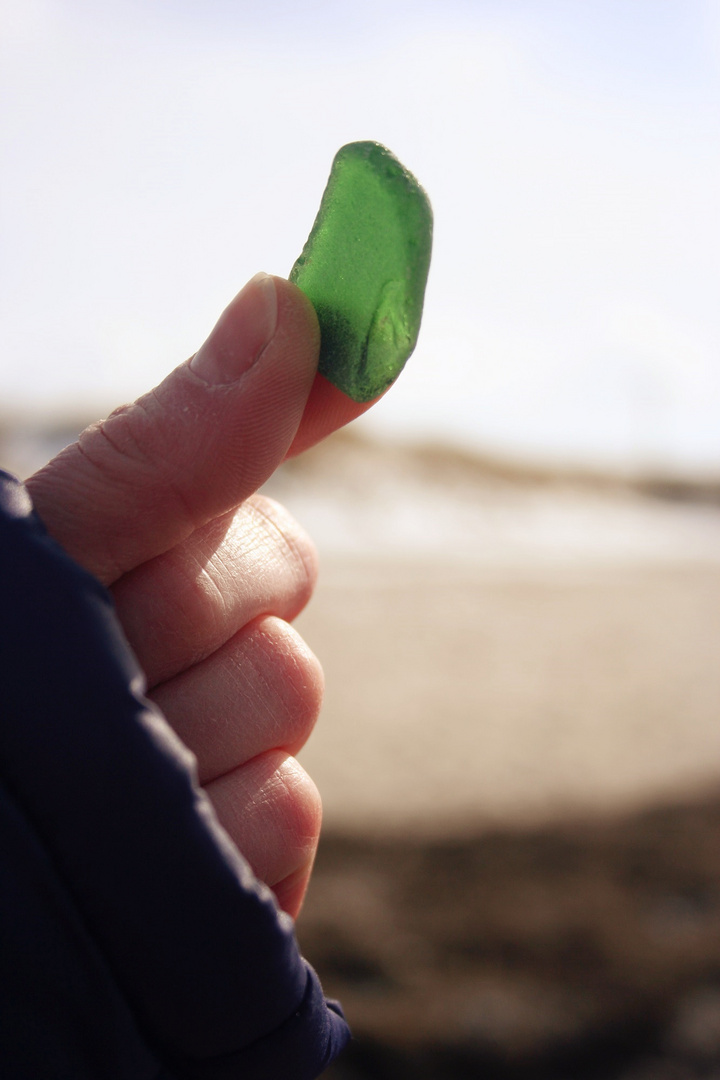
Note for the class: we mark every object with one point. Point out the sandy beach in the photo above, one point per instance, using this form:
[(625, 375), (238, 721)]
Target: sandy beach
[(484, 694), (519, 755)]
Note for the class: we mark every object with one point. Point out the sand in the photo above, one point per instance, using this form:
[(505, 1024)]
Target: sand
[(493, 695), (579, 951), (504, 646)]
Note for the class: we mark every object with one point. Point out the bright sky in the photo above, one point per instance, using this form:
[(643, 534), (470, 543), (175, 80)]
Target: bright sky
[(155, 154)]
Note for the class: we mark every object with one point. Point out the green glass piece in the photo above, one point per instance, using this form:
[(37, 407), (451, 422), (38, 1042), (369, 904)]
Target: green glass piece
[(364, 268)]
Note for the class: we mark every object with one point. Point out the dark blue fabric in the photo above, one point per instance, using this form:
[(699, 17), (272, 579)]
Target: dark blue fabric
[(134, 940)]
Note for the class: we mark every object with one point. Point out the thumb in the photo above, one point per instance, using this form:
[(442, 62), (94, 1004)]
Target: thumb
[(208, 436)]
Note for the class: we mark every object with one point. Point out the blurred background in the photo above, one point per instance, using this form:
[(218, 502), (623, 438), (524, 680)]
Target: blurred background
[(518, 609)]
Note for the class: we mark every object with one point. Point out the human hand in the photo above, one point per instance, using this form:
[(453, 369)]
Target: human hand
[(158, 502)]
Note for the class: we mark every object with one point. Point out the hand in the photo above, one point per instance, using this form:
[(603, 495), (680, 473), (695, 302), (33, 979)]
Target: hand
[(159, 502)]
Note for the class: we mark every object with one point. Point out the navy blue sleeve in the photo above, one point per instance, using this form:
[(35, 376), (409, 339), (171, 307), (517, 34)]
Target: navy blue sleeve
[(134, 940)]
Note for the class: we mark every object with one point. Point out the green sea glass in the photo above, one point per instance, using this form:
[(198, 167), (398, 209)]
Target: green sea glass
[(364, 268)]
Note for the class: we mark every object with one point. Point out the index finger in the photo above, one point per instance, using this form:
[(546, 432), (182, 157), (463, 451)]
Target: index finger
[(327, 409)]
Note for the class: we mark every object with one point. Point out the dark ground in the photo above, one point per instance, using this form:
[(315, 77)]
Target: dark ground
[(583, 951)]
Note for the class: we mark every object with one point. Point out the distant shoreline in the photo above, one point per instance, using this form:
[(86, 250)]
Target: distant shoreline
[(27, 442), (432, 456)]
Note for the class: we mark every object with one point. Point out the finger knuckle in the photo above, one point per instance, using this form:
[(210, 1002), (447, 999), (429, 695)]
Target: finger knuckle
[(301, 689), (296, 549), (293, 808)]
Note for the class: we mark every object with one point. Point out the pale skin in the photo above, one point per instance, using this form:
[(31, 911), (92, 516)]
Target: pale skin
[(159, 502)]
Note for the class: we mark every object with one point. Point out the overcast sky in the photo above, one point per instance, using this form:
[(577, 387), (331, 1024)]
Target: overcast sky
[(155, 154)]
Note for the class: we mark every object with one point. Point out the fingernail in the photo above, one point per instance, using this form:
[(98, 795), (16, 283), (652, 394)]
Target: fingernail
[(244, 329)]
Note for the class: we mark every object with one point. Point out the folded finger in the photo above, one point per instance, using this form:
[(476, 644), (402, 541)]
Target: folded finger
[(182, 606), (272, 811), (261, 691)]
